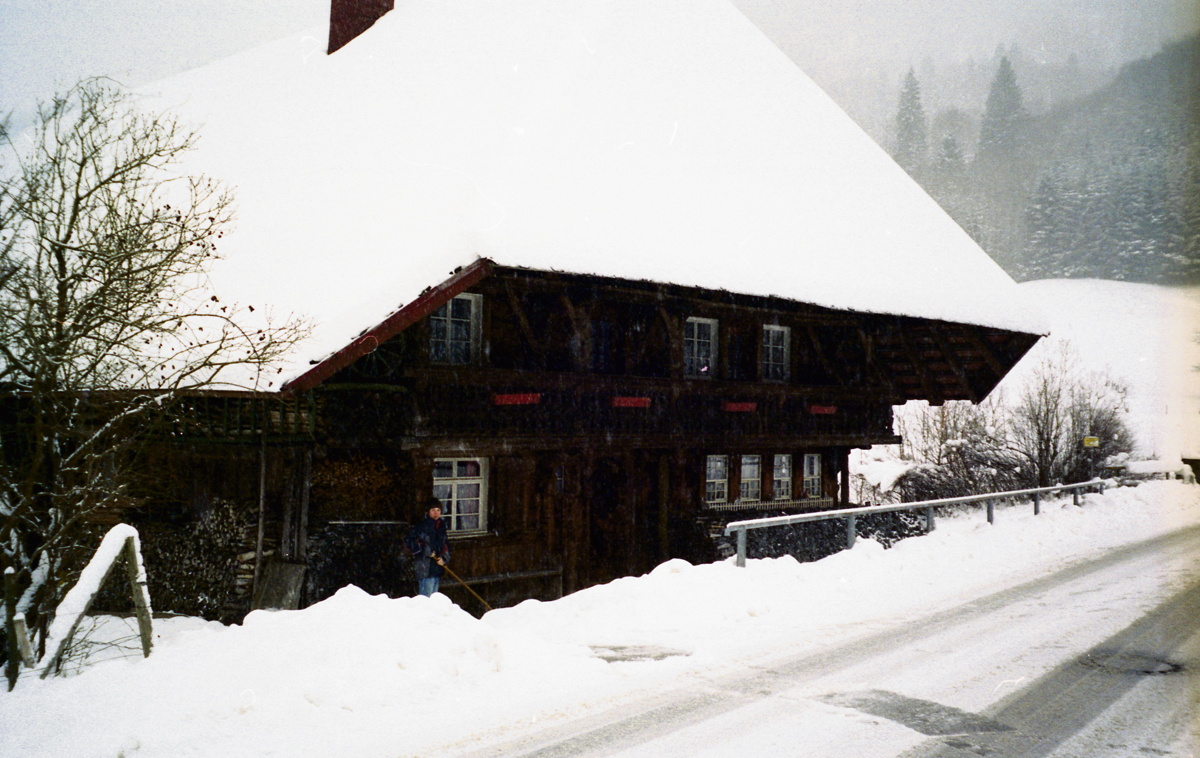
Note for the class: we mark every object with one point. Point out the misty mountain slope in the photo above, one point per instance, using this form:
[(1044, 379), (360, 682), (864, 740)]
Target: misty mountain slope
[(1117, 195)]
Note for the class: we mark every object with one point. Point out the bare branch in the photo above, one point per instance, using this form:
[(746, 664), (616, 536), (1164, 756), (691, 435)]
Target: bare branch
[(105, 315)]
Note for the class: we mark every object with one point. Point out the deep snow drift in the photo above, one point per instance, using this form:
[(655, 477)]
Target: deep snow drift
[(373, 676)]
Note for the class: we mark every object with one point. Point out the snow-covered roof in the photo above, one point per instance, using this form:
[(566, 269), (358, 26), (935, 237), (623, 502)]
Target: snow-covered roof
[(640, 139)]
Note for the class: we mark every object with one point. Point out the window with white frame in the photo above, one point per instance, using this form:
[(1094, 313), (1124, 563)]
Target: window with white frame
[(782, 477), (454, 330), (812, 475), (716, 479), (699, 347), (751, 485), (776, 352), (461, 485)]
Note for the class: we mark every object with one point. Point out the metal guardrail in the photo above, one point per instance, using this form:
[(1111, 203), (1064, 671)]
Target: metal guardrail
[(851, 514)]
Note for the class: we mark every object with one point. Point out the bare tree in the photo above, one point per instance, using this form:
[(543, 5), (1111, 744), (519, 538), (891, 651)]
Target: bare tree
[(105, 318), (1059, 405), (1033, 439), (959, 448)]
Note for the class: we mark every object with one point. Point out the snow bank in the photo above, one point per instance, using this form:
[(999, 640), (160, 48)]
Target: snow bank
[(1143, 335), (1161, 466), (372, 676)]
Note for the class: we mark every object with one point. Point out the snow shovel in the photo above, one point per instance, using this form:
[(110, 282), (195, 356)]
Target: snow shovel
[(459, 579)]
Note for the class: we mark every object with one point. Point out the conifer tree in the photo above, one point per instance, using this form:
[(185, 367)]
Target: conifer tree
[(1001, 131), (911, 138)]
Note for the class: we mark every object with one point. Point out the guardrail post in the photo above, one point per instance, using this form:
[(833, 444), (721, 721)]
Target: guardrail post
[(741, 548), (851, 531), (1037, 503), (1075, 495), (1101, 487), (991, 510), (929, 525)]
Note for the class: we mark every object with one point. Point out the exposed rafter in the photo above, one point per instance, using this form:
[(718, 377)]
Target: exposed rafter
[(952, 360), (881, 376), (989, 355), (933, 391), (518, 310), (820, 351)]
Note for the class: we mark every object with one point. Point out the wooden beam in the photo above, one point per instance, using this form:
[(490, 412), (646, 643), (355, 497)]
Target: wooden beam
[(821, 357), (868, 343), (989, 355), (664, 505), (531, 339), (674, 328), (583, 331), (933, 394), (944, 345), (844, 476)]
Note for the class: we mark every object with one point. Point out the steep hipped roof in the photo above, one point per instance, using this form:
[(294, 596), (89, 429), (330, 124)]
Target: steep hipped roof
[(641, 139)]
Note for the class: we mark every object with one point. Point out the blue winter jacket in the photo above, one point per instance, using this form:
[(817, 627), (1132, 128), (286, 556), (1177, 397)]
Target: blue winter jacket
[(426, 541)]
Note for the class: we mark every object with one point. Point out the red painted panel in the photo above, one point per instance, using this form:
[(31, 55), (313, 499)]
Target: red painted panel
[(825, 410), (529, 398), (630, 402), (731, 407)]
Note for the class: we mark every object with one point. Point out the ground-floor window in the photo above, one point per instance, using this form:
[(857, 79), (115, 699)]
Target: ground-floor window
[(461, 485), (751, 486), (716, 479), (740, 481), (813, 486), (782, 477)]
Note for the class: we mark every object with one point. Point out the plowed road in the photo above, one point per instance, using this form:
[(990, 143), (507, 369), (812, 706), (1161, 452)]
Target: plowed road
[(1099, 659)]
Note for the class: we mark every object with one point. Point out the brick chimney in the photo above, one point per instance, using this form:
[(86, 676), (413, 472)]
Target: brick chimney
[(350, 18)]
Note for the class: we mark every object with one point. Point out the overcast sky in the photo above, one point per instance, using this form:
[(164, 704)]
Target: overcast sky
[(49, 44)]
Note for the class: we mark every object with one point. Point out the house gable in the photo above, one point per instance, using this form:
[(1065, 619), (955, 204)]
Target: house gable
[(430, 300)]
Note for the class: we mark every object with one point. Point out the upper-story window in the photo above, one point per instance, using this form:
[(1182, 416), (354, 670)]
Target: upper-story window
[(776, 352), (454, 330), (699, 347)]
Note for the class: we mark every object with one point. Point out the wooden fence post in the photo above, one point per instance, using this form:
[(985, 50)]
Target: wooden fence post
[(78, 600), (141, 594)]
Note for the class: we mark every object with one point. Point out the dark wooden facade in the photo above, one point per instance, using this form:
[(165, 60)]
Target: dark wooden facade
[(572, 422)]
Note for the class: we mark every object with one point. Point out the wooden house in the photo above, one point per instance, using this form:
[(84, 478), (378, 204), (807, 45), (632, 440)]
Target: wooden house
[(580, 428), (649, 278)]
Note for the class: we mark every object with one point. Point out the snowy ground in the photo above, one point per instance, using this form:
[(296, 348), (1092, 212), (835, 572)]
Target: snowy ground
[(1143, 335), (372, 676)]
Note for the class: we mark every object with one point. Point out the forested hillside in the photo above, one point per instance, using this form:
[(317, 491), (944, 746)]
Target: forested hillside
[(1105, 186)]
